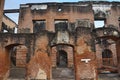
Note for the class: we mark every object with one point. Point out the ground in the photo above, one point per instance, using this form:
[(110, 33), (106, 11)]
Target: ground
[(109, 77)]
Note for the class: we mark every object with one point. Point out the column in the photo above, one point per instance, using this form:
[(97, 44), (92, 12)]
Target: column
[(1, 12)]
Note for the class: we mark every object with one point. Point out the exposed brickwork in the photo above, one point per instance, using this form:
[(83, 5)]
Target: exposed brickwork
[(70, 54), (99, 51), (26, 19), (83, 69), (81, 41), (39, 61), (54, 56), (118, 55), (4, 63), (1, 12), (51, 14), (21, 55)]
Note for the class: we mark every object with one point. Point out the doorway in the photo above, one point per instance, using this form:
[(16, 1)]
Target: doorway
[(107, 57), (62, 60)]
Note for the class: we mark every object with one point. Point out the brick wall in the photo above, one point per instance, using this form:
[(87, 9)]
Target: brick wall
[(68, 50), (21, 55), (84, 69), (27, 15), (1, 12), (4, 63)]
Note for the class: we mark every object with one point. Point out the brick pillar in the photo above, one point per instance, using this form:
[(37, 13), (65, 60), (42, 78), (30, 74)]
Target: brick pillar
[(1, 12), (118, 54), (84, 56), (85, 63)]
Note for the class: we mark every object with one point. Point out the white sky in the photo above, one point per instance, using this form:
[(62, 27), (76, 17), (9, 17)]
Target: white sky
[(99, 24)]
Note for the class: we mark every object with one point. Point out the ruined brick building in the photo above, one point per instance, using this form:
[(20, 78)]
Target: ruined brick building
[(8, 25), (60, 41)]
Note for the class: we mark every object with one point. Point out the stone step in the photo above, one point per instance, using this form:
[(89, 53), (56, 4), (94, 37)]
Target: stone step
[(63, 74), (15, 79), (17, 73), (63, 79), (110, 76)]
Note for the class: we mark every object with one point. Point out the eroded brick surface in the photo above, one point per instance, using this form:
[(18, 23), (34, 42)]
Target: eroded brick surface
[(4, 64), (84, 69), (40, 61), (81, 41)]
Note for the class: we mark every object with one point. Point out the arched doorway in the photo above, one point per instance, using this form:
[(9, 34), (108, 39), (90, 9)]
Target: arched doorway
[(13, 56), (107, 57), (17, 57), (17, 54), (62, 60)]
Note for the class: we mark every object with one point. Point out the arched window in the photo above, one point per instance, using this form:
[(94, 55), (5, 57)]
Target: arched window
[(62, 60), (107, 57)]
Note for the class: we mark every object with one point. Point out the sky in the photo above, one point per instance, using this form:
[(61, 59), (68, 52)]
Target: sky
[(15, 4), (11, 4)]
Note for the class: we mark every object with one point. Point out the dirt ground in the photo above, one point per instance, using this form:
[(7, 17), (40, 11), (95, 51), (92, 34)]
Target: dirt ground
[(109, 76)]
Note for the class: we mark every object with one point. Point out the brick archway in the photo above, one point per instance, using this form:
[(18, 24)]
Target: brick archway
[(65, 48), (62, 58), (107, 38), (17, 57), (16, 53)]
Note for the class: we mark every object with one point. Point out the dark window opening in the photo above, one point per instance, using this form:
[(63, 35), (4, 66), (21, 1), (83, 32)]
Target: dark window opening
[(39, 25), (119, 21), (4, 27), (13, 56), (107, 57), (62, 60), (99, 23), (61, 25)]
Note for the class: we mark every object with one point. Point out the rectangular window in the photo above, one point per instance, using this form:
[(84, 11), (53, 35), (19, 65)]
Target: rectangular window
[(99, 23), (83, 23), (39, 25), (61, 25)]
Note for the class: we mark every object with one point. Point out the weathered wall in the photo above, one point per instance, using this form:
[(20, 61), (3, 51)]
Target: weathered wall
[(109, 12), (25, 21), (99, 55), (4, 63), (67, 49), (7, 42), (112, 18), (52, 13), (40, 62), (21, 56), (84, 52), (112, 47), (83, 56), (8, 24), (53, 56), (99, 50), (106, 38), (1, 12), (118, 55), (83, 69)]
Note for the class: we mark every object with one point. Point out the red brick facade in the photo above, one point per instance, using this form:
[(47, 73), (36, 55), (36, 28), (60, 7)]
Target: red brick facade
[(62, 38)]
